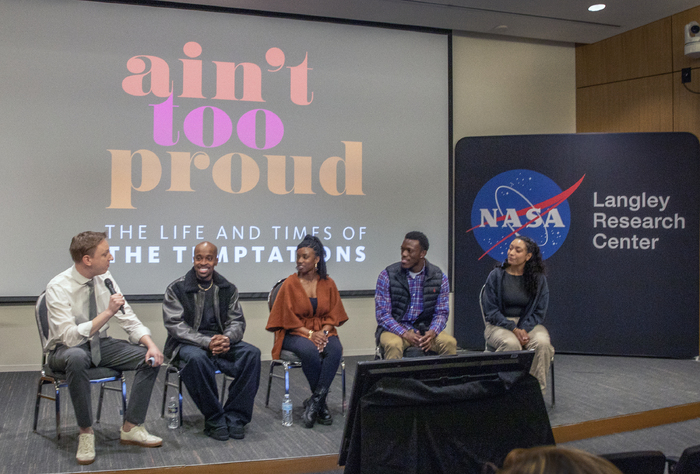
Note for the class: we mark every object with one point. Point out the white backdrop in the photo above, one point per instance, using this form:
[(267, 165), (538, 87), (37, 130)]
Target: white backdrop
[(165, 127)]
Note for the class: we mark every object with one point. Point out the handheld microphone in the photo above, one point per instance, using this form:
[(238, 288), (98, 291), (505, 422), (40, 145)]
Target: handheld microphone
[(421, 327), (110, 287)]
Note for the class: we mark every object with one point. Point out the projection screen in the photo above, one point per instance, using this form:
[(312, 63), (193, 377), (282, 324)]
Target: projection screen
[(167, 126)]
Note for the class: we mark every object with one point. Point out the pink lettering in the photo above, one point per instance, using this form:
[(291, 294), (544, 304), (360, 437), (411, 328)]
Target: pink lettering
[(246, 129), (156, 79), (192, 72), (159, 75), (163, 122), (226, 81), (299, 83), (194, 127), (275, 58)]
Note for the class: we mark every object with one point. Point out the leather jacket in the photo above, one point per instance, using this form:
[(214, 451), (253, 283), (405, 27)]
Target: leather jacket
[(183, 306)]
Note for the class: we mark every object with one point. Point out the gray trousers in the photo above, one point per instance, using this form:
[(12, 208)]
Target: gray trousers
[(116, 354)]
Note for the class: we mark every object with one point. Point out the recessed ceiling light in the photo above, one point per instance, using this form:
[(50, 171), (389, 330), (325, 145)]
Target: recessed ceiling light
[(596, 8)]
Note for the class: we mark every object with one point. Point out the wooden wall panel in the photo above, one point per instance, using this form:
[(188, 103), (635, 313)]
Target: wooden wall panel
[(640, 105), (679, 20), (686, 105), (644, 51)]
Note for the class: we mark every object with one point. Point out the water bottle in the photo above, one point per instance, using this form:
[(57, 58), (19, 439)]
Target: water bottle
[(173, 414), (287, 411)]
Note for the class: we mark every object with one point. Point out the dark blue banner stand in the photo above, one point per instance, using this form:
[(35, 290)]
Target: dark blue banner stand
[(616, 216)]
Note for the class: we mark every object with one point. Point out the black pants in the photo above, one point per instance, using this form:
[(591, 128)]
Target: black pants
[(242, 362)]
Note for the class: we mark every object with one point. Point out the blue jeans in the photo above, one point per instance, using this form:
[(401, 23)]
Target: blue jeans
[(242, 362), (319, 367)]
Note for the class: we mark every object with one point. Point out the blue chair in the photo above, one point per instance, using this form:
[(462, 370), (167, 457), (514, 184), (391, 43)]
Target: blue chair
[(98, 375), (174, 367)]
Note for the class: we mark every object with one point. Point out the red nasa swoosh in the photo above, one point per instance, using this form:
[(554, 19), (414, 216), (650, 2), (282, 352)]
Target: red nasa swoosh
[(547, 205)]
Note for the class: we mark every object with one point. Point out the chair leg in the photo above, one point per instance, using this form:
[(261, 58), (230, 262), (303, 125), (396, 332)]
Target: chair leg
[(58, 410), (99, 403), (551, 369), (269, 383), (342, 366), (286, 378), (38, 400), (165, 392), (57, 400), (123, 383), (179, 394)]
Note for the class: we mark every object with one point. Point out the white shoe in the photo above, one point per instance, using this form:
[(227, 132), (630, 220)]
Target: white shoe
[(140, 437), (86, 448)]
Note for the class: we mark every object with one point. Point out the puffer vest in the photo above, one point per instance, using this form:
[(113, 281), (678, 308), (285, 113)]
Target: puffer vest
[(401, 296)]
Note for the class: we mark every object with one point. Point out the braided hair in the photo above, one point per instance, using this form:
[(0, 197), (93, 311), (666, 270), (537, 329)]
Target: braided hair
[(314, 243)]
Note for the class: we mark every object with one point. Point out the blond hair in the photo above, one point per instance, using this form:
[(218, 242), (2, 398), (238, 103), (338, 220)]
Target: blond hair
[(554, 460)]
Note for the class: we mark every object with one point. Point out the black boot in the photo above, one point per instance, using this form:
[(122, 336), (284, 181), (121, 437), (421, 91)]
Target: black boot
[(324, 415), (318, 399)]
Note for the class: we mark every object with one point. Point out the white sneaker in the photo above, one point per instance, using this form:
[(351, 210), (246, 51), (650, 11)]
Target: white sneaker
[(86, 448), (140, 437)]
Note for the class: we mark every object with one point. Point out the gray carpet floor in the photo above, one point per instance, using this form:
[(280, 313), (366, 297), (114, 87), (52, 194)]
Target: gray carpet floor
[(587, 388)]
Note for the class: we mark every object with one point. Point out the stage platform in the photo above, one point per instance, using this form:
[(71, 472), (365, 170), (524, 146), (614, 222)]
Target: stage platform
[(603, 404)]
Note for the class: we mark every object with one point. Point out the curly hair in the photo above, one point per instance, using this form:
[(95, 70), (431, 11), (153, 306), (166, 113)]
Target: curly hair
[(533, 267), (314, 243)]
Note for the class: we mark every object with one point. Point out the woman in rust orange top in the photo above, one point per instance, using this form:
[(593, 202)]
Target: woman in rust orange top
[(304, 317)]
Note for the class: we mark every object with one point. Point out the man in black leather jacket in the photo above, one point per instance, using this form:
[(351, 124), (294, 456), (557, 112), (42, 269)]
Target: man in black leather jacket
[(205, 325)]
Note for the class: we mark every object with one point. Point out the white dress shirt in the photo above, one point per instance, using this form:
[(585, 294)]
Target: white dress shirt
[(69, 313)]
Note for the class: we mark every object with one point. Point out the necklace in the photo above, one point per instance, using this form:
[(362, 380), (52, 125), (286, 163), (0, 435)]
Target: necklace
[(206, 289)]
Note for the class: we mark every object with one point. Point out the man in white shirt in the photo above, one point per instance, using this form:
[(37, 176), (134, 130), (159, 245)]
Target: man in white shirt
[(80, 307)]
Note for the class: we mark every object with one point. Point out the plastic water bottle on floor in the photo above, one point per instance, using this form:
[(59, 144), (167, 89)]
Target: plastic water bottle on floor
[(287, 411), (173, 414)]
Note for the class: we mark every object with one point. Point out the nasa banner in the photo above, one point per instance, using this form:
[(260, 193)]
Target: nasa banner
[(616, 219)]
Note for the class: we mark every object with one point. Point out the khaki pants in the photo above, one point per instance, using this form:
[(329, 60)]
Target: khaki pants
[(394, 345), (502, 339)]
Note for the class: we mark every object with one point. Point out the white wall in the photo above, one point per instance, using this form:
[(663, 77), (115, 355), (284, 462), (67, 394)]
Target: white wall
[(501, 87)]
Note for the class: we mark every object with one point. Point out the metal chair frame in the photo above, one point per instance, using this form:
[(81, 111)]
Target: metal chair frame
[(173, 368), (289, 360), (99, 375), (488, 348)]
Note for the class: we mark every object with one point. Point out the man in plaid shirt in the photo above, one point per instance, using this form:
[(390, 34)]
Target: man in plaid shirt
[(412, 303)]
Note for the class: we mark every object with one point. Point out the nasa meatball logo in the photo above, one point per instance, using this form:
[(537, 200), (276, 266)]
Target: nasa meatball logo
[(521, 202)]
